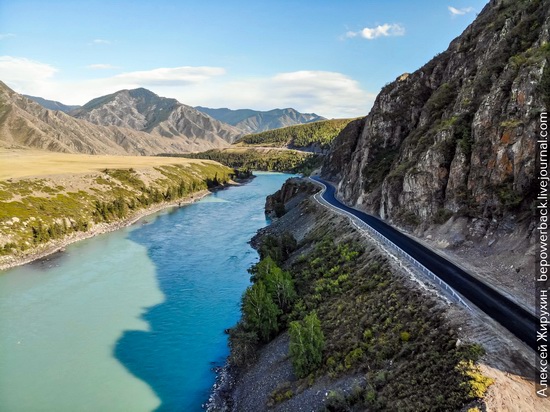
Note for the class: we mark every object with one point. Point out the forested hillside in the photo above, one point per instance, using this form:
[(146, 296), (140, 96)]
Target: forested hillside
[(275, 160), (316, 134)]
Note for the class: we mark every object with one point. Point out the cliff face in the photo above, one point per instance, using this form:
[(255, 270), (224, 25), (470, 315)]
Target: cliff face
[(458, 136)]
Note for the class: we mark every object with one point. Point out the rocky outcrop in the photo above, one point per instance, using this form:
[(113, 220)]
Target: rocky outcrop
[(292, 192), (458, 136)]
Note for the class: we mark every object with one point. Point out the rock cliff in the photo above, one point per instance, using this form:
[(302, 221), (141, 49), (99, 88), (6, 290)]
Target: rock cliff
[(456, 138)]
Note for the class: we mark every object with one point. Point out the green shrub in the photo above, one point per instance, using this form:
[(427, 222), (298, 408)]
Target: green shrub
[(405, 336)]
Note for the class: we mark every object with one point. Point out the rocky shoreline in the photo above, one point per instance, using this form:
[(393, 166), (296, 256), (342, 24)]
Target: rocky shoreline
[(220, 399)]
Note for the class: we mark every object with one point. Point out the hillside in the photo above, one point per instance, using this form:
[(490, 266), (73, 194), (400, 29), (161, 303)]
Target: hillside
[(266, 159), (448, 152), (24, 123), (255, 121), (48, 199), (330, 323), (316, 136), (142, 110)]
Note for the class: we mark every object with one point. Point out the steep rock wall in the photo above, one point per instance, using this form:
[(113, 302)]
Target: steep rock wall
[(458, 136)]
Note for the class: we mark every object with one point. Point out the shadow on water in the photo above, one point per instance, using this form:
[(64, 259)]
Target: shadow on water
[(202, 274), (54, 260)]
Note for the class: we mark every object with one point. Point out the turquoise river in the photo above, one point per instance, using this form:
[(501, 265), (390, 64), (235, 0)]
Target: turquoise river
[(131, 320)]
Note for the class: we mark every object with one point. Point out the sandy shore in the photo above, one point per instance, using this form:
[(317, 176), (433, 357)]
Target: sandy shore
[(53, 246)]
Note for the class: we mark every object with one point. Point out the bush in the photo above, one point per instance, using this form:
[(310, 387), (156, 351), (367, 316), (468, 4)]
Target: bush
[(405, 336)]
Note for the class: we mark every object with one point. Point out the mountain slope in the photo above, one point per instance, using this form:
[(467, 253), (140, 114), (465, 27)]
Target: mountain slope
[(24, 123), (142, 110), (52, 104), (449, 151), (458, 133), (315, 136), (254, 121)]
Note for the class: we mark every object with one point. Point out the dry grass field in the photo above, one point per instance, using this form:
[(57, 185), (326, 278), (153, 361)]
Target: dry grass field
[(16, 164)]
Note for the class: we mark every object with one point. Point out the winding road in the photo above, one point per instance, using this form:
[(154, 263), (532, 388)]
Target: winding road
[(513, 317)]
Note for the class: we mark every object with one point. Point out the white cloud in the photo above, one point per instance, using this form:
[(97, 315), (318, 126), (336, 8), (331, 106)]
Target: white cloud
[(25, 75), (329, 94), (384, 30), (459, 12), (99, 41), (176, 76), (6, 35), (101, 66)]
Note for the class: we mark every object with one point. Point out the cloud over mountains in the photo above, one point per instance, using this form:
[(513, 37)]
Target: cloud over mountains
[(331, 94)]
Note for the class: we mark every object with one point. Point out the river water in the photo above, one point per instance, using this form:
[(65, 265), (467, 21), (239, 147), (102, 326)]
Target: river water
[(131, 320)]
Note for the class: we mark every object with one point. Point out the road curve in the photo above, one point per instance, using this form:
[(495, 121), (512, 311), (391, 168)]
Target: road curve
[(510, 315)]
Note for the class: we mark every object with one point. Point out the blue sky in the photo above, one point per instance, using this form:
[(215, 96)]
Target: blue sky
[(327, 57)]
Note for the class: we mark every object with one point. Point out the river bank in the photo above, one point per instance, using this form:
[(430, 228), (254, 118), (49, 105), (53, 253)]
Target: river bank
[(132, 320), (373, 341), (44, 250)]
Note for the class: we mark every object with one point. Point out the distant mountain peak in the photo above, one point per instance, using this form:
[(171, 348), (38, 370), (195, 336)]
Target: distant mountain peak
[(255, 121), (141, 109), (52, 104)]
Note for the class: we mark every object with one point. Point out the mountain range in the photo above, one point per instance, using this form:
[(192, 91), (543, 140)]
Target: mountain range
[(52, 104), (26, 124), (126, 122), (254, 121), (141, 109)]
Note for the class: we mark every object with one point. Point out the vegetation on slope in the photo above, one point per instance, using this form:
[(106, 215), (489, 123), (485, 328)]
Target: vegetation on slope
[(362, 321), (34, 211), (300, 136), (268, 160)]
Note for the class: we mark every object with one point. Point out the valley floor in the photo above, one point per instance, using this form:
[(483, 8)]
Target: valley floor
[(17, 163)]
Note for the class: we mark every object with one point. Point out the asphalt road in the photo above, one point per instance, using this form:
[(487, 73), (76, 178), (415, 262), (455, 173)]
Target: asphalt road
[(513, 317)]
